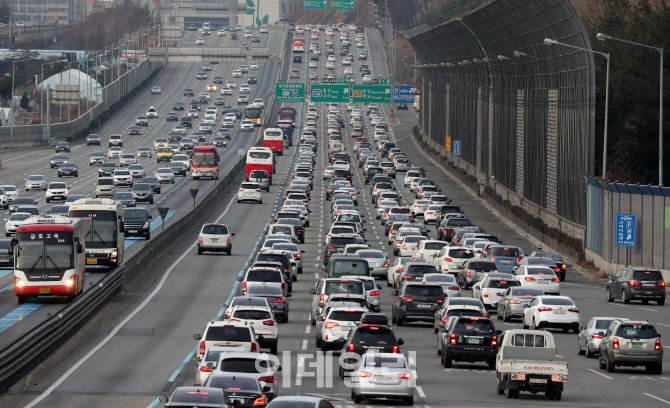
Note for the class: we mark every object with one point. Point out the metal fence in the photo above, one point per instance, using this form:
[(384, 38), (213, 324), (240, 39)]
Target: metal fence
[(522, 111), (651, 204)]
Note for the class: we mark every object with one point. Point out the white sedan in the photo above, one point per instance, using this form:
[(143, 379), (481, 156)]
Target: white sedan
[(541, 277), (253, 65), (237, 73), (226, 91), (552, 311), (313, 64), (231, 84), (114, 152), (247, 126)]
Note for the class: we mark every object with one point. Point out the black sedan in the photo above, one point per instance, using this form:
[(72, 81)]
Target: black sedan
[(240, 391), (58, 160), (126, 199), (217, 80), (278, 302), (134, 130), (252, 80), (68, 169), (62, 147), (178, 168), (178, 106), (402, 106), (153, 181)]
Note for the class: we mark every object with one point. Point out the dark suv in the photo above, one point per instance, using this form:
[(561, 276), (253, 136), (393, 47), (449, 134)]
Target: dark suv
[(417, 301), (137, 223), (467, 338), (285, 262), (643, 284), (368, 337), (337, 242)]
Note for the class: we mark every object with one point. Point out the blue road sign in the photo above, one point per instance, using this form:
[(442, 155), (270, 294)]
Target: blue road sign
[(403, 93), (456, 150), (626, 228)]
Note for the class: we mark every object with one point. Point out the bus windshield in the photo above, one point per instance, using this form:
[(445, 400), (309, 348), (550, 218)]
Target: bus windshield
[(204, 159), (45, 251), (252, 113), (99, 227), (260, 155), (272, 133)]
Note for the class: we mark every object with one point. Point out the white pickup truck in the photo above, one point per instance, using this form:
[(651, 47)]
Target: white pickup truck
[(526, 361)]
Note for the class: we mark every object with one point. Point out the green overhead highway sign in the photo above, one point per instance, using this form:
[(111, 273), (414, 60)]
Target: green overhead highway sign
[(329, 93), (316, 4), (290, 92), (372, 93), (342, 4), (336, 80), (381, 81)]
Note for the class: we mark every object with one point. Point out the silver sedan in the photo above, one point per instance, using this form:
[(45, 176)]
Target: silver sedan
[(383, 375), (377, 260), (515, 300), (590, 336)]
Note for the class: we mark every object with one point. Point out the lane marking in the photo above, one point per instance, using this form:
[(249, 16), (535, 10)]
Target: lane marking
[(656, 398), (600, 374), (304, 344)]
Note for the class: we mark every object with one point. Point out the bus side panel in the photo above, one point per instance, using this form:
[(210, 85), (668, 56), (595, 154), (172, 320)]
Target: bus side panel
[(277, 146)]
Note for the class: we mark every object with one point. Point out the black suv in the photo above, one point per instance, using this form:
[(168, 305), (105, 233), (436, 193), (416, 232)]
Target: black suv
[(402, 106), (468, 338), (189, 92), (387, 146), (343, 173), (62, 147), (643, 284), (337, 242), (365, 338), (186, 121), (283, 259), (136, 222), (417, 301), (252, 80)]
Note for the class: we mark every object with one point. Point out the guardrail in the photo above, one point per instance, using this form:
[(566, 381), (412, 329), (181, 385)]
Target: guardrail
[(46, 338)]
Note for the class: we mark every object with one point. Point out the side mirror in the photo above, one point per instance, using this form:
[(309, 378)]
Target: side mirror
[(581, 328), (163, 400), (288, 295), (233, 234), (80, 248), (293, 264), (364, 221), (401, 342), (365, 229), (302, 252), (196, 359), (379, 287), (197, 336), (498, 332), (260, 338), (266, 389), (210, 366), (603, 333), (312, 291), (443, 329), (239, 278)]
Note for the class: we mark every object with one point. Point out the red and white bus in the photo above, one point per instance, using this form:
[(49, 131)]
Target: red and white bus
[(298, 44), (288, 113), (260, 158), (274, 139), (205, 162), (49, 258)]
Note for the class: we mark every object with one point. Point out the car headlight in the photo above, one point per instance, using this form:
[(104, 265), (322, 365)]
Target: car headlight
[(146, 225), (115, 253)]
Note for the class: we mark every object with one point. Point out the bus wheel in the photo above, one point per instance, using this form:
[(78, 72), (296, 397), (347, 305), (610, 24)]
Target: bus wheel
[(22, 299), (70, 298)]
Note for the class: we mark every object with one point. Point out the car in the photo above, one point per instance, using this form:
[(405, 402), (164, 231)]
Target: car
[(178, 168), (125, 198), (36, 182), (250, 192), (63, 147), (541, 277), (246, 126), (417, 301), (256, 39), (200, 41), (301, 401), (468, 338), (514, 300), (231, 84), (215, 237), (402, 106), (200, 76), (260, 102), (107, 169), (195, 396), (636, 283), (114, 152), (362, 55), (115, 140), (188, 92), (237, 73), (221, 32), (165, 175), (93, 139), (122, 178), (253, 65), (57, 191), (105, 187), (492, 288), (258, 365), (262, 319), (448, 283), (171, 117), (372, 335), (458, 306), (591, 335), (57, 160), (68, 169), (240, 390), (156, 90), (631, 343), (127, 159), (205, 128), (244, 88), (143, 152), (134, 130), (252, 80), (377, 261), (551, 311)]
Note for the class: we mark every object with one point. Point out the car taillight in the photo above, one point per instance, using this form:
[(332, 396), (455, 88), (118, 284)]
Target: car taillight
[(494, 340), (407, 277), (300, 229), (322, 299), (374, 293), (404, 376), (201, 349), (657, 346), (228, 240), (448, 259), (200, 239), (556, 270), (486, 293), (404, 246), (633, 283), (596, 336), (242, 190), (259, 402), (468, 273), (661, 283), (283, 286), (519, 260), (351, 348), (573, 310), (439, 300), (429, 212), (452, 338), (544, 309), (330, 325), (244, 287), (615, 343), (556, 280), (453, 288), (407, 298), (530, 279), (514, 302), (396, 349), (204, 369), (329, 247), (268, 379), (493, 258), (386, 264), (399, 269)]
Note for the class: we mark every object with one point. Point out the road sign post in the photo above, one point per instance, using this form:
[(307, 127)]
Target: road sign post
[(290, 92), (626, 232), (329, 93), (403, 93), (194, 192), (162, 211), (372, 93), (241, 151), (457, 148), (347, 5)]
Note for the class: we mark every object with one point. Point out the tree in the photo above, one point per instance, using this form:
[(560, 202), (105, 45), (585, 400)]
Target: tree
[(25, 101), (25, 48)]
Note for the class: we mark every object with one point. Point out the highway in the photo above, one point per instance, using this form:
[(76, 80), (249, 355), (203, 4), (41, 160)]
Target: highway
[(141, 345), (16, 320)]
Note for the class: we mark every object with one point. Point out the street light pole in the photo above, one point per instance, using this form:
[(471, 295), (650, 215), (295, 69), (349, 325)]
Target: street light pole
[(549, 41), (604, 37)]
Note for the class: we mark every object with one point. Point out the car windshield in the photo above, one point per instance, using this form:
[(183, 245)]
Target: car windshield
[(636, 331), (557, 301), (252, 315), (228, 333), (647, 275), (233, 383), (424, 290), (526, 292), (58, 186), (473, 326), (374, 336), (603, 324), (134, 213), (420, 270), (371, 254), (141, 187), (149, 180), (262, 290), (541, 271), (461, 253), (19, 217), (505, 251), (348, 287), (263, 276), (441, 278), (135, 167), (192, 398), (35, 178), (122, 173), (345, 315), (164, 171), (123, 196), (245, 365), (105, 182), (215, 230), (501, 284)]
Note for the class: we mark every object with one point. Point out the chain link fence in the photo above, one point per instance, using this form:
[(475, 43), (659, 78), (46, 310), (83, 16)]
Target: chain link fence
[(522, 111)]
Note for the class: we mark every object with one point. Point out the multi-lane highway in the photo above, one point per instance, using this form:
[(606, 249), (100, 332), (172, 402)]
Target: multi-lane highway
[(142, 344), (15, 319)]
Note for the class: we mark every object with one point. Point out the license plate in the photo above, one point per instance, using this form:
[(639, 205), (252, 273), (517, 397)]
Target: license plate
[(425, 306), (538, 380), (505, 261), (132, 231), (474, 341), (4, 260), (560, 312), (214, 239), (45, 291), (374, 349), (648, 284), (384, 378), (91, 261), (636, 345)]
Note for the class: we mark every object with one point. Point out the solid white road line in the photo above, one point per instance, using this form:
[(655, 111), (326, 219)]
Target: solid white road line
[(656, 398), (600, 374)]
